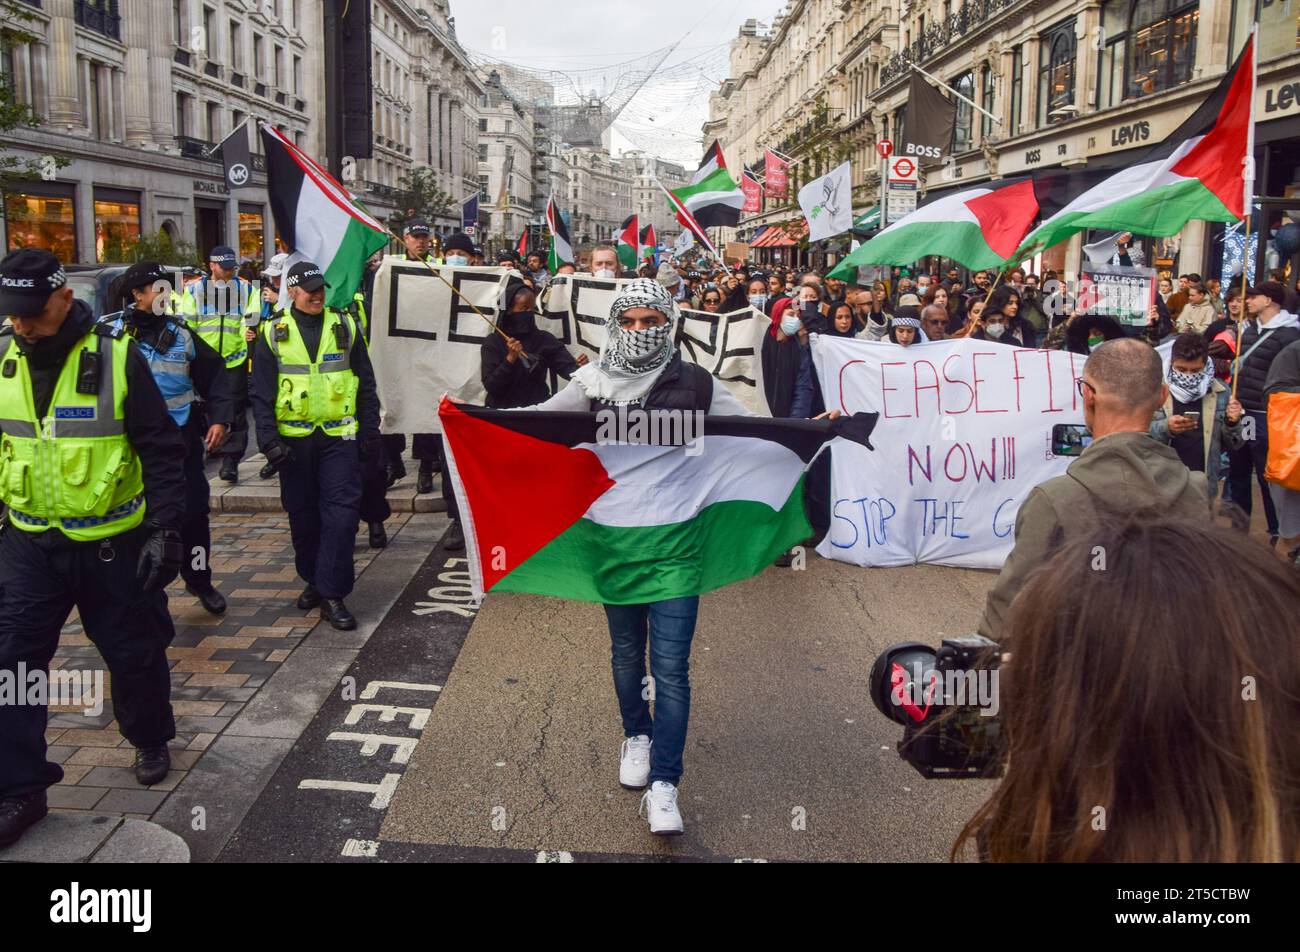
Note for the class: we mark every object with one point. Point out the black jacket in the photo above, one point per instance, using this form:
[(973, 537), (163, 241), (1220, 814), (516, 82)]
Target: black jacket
[(149, 427), (1254, 368), (207, 370), (262, 386), (514, 385)]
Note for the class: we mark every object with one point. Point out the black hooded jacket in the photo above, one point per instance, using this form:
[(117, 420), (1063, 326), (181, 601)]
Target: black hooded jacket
[(522, 383)]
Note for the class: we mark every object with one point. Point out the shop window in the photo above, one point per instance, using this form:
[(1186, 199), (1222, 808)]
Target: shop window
[(251, 224), (43, 218), (1161, 46), (1056, 74), (1279, 27), (117, 224), (962, 129)]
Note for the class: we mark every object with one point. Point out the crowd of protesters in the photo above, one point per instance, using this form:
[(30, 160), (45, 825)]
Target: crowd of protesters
[(1217, 424)]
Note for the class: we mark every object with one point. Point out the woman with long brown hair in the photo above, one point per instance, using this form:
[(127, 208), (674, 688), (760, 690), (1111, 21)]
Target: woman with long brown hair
[(1142, 727)]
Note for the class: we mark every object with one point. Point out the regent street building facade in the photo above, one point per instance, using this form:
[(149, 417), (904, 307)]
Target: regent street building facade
[(1068, 81)]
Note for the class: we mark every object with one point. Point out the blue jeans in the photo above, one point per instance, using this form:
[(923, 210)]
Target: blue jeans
[(670, 626)]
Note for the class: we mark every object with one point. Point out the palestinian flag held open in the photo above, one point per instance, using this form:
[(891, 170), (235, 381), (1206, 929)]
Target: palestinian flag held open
[(1198, 172), (978, 227), (318, 219), (628, 244), (626, 523), (713, 198), (521, 248), (561, 251)]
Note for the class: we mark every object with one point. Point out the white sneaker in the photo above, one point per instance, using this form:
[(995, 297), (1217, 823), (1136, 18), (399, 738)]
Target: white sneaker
[(665, 819), (634, 762)]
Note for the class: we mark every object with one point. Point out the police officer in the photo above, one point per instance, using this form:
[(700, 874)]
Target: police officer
[(219, 307), (182, 364), (418, 240), (91, 470), (317, 413)]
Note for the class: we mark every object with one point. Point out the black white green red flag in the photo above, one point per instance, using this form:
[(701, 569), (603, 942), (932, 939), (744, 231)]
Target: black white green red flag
[(629, 522), (1201, 171), (318, 219), (628, 242), (560, 251)]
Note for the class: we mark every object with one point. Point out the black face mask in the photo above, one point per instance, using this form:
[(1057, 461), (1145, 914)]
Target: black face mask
[(519, 324)]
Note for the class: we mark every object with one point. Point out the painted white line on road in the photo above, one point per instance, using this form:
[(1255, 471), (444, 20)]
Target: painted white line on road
[(383, 791), (555, 856), (372, 687), (746, 859), (367, 848), (387, 714), (370, 744)]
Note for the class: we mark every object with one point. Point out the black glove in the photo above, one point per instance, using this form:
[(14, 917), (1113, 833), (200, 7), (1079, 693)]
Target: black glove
[(372, 447), (160, 559), (277, 454)]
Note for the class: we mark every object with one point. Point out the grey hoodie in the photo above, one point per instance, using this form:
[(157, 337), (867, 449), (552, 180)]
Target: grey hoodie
[(1121, 473)]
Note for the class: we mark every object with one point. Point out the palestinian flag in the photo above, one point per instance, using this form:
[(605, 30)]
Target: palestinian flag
[(628, 243), (1199, 172), (978, 227), (521, 248), (561, 251), (687, 220), (649, 245), (318, 219), (626, 523), (713, 197)]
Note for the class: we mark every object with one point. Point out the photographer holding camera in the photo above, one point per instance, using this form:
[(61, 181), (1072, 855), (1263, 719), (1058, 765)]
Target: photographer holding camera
[(1139, 728), (1123, 470)]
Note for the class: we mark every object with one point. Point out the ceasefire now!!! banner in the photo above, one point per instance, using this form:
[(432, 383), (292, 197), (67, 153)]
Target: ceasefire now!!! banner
[(964, 434)]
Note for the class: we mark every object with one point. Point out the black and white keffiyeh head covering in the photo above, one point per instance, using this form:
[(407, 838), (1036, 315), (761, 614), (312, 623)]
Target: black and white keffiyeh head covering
[(631, 360)]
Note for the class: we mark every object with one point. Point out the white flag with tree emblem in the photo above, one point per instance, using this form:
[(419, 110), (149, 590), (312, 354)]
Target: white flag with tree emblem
[(827, 203)]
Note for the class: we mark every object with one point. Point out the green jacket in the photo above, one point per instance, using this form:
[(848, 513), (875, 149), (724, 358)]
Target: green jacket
[(1123, 472)]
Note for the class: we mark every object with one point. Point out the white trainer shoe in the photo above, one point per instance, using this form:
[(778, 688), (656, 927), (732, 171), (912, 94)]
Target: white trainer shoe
[(665, 818), (634, 762)]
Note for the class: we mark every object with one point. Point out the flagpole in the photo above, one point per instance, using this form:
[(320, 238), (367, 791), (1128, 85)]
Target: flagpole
[(1249, 188), (675, 202)]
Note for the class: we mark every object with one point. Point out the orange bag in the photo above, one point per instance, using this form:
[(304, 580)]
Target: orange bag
[(1284, 440)]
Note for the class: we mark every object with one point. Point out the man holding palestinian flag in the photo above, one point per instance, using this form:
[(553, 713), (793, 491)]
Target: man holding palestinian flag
[(643, 525)]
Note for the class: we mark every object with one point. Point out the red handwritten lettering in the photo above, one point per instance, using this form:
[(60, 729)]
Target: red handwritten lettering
[(884, 391), (949, 360)]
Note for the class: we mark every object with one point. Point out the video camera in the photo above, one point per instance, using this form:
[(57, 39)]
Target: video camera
[(947, 702)]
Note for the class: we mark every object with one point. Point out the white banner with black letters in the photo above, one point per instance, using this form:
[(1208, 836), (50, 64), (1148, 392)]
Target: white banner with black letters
[(426, 340)]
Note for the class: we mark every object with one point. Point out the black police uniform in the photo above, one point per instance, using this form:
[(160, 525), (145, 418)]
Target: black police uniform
[(213, 387), (320, 486), (43, 575)]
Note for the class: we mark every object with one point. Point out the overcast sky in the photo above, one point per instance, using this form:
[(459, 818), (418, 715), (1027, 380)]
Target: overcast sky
[(665, 117)]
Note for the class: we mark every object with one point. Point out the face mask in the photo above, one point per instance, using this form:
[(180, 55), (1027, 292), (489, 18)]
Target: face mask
[(790, 325), (457, 261), (642, 347), (757, 300), (1094, 343), (604, 273), (994, 330), (1191, 387)]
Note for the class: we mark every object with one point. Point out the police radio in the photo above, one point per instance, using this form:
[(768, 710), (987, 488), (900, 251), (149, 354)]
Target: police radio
[(341, 336), (89, 370)]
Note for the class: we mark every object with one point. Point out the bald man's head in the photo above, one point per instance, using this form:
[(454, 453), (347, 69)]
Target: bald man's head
[(1126, 377)]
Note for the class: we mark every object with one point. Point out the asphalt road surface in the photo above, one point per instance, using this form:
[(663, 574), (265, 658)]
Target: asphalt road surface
[(786, 757), (495, 735)]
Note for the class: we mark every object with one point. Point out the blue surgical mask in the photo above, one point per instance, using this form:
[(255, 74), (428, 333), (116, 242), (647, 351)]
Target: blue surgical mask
[(456, 261), (790, 324), (757, 300)]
